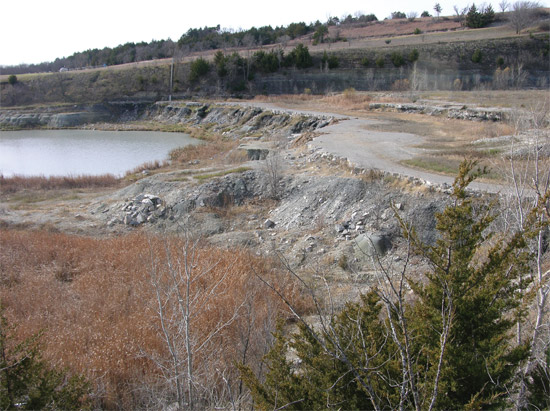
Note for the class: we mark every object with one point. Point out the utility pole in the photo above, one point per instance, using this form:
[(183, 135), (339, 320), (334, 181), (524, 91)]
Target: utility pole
[(171, 78)]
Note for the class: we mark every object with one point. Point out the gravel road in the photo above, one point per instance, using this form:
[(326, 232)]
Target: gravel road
[(350, 138)]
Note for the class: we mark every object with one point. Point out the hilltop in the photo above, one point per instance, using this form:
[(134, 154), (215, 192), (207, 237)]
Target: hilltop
[(494, 58), (400, 54)]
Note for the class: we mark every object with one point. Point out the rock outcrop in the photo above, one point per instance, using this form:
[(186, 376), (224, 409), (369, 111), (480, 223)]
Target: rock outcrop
[(450, 110)]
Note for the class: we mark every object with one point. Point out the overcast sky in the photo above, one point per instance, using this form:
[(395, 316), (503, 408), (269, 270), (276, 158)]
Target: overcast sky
[(34, 31)]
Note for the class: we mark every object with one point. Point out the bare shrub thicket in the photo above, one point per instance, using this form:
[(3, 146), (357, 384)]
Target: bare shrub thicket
[(105, 309), (527, 207), (273, 169), (522, 14), (17, 183), (201, 153)]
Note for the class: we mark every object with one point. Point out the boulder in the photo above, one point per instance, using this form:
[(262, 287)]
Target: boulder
[(269, 223), (371, 244)]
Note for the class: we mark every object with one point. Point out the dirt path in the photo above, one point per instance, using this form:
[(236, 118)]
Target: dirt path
[(350, 138)]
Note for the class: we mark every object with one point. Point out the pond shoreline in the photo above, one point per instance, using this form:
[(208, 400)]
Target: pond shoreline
[(80, 152)]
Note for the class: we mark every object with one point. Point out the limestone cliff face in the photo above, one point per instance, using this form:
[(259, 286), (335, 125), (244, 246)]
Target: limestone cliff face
[(18, 120), (241, 119)]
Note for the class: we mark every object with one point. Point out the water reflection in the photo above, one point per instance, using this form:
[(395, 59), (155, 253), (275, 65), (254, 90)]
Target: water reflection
[(76, 152)]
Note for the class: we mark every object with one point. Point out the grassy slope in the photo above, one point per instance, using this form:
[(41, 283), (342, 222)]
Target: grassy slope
[(439, 44)]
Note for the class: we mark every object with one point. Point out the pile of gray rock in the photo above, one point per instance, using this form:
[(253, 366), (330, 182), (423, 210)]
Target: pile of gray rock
[(143, 208)]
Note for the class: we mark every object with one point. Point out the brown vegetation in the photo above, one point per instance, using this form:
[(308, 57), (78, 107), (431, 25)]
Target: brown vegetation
[(95, 303), (147, 166), (215, 150), (17, 183)]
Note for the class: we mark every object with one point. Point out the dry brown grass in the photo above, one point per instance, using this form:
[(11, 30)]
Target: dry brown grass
[(349, 101), (18, 183), (490, 98), (215, 150), (94, 302), (148, 166)]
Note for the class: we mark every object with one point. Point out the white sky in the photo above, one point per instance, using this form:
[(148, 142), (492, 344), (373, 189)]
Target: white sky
[(34, 31)]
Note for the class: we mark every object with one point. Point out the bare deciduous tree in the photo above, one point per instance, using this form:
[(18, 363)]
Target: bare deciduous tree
[(504, 5), (273, 169), (528, 208), (412, 15), (521, 14)]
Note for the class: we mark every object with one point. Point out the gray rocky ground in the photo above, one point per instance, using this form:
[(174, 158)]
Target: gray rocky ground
[(329, 200)]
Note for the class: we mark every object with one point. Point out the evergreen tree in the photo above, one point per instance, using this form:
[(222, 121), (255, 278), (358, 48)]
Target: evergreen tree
[(447, 348), (476, 19), (478, 276), (299, 57), (220, 61), (27, 383)]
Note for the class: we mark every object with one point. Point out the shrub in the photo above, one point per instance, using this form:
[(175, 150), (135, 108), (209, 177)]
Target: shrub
[(365, 61), (332, 61), (417, 31), (105, 325), (266, 62), (457, 84), (380, 62), (18, 183), (299, 57), (220, 61), (397, 59), (199, 68), (388, 41), (477, 56), (350, 93), (12, 79), (320, 33), (476, 19), (343, 262), (413, 55), (398, 15), (401, 85)]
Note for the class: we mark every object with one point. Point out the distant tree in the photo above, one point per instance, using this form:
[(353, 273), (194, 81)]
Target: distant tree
[(199, 68), (12, 79), (477, 56), (412, 15), (333, 21), (522, 13), (413, 55), (477, 19), (296, 29), (266, 62), (473, 18), (300, 57), (331, 61), (398, 15), (437, 9), (320, 33), (397, 59), (504, 5), (425, 14), (488, 15), (220, 61), (460, 13)]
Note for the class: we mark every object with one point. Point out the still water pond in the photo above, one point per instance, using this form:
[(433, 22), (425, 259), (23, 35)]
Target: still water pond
[(76, 152)]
